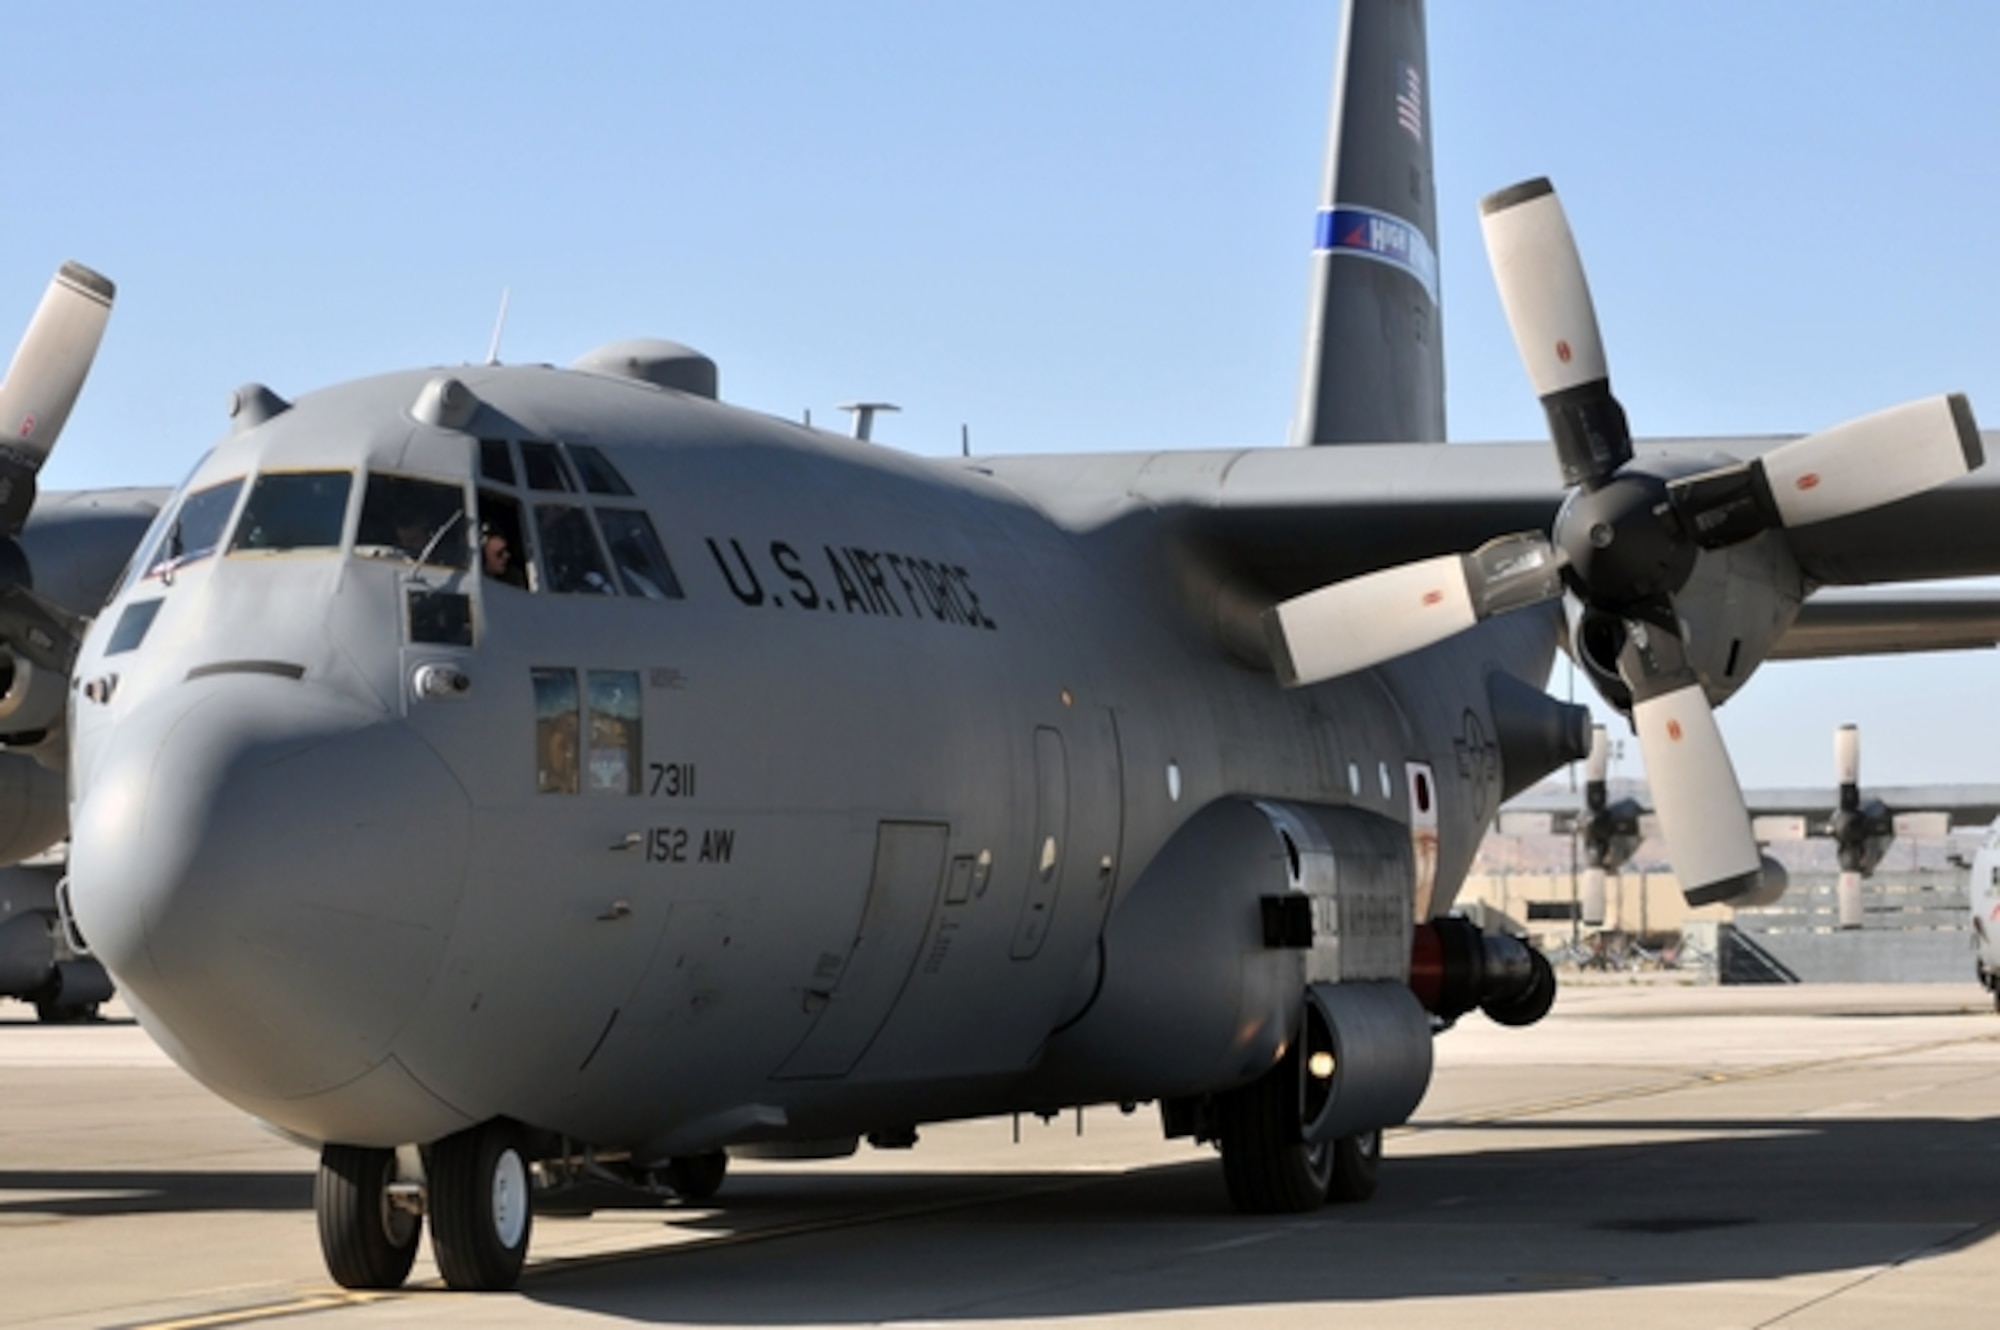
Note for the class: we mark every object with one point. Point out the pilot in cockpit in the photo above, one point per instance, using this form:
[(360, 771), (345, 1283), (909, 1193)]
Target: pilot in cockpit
[(500, 554)]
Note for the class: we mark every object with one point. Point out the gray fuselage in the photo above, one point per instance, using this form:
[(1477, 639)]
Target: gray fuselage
[(829, 841)]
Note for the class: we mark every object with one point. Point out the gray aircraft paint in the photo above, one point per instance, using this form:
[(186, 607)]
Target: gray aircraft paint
[(916, 710)]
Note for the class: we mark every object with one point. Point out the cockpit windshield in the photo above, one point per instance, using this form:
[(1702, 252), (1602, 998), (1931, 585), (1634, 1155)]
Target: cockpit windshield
[(421, 521), (294, 510), (196, 529)]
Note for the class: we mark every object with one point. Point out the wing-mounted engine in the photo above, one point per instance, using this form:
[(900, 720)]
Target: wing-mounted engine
[(1736, 604), (38, 637), (1634, 546), (1862, 829)]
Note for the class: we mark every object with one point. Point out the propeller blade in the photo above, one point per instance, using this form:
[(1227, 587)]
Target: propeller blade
[(1695, 791), (1592, 895), (1847, 763), (1542, 287), (1364, 621), (1696, 795), (1873, 460), (49, 367), (1596, 787), (1858, 465), (1848, 896)]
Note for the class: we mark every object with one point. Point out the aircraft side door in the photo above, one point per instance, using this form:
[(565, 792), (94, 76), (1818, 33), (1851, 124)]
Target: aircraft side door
[(1073, 854), (859, 990)]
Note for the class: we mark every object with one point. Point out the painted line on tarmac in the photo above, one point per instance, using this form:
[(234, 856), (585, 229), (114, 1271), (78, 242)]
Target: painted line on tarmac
[(330, 1300)]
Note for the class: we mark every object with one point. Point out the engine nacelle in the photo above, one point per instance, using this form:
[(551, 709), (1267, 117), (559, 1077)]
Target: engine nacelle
[(31, 699), (1736, 604), (34, 813)]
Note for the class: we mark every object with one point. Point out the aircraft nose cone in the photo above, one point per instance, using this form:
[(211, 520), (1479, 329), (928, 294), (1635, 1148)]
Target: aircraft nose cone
[(270, 871)]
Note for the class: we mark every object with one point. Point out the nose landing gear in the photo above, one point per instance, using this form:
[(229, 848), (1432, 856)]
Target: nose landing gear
[(480, 1198)]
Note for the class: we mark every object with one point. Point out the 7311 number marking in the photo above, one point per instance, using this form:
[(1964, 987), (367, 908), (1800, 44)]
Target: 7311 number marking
[(670, 780)]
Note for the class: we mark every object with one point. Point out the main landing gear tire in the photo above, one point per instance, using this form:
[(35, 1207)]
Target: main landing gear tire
[(1357, 1166), (695, 1178), (368, 1240), (54, 1012), (1266, 1166), (481, 1207)]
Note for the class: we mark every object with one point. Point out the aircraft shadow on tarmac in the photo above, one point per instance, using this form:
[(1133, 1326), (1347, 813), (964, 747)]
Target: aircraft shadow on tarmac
[(1729, 1200), (1738, 1200), (83, 1193)]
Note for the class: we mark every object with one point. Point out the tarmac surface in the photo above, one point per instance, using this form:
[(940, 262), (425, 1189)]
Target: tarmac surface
[(1650, 1155)]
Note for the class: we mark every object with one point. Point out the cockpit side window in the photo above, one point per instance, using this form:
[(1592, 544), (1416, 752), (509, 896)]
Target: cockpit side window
[(294, 510), (546, 470), (421, 521), (496, 463), (570, 554), (197, 528), (636, 553)]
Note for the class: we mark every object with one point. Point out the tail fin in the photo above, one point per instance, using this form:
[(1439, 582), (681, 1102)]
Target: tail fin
[(1374, 362)]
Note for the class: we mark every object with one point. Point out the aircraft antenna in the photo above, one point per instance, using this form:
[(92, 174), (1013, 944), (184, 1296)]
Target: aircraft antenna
[(965, 440), (864, 416), (499, 326)]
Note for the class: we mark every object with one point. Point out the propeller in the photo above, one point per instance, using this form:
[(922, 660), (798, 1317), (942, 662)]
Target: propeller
[(1862, 831), (41, 386), (1624, 542), (1611, 832)]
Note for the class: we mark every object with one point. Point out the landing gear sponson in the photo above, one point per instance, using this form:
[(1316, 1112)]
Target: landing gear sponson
[(1309, 1130)]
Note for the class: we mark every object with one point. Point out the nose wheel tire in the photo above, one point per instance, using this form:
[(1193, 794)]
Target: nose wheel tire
[(368, 1239), (481, 1207)]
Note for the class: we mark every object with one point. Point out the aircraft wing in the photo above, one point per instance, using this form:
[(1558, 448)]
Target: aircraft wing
[(1296, 518), (1844, 622)]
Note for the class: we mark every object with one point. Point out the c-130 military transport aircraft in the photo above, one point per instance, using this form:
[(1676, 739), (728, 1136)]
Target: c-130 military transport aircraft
[(499, 776)]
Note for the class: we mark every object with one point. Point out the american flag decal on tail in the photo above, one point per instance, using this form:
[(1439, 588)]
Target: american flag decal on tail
[(1410, 99)]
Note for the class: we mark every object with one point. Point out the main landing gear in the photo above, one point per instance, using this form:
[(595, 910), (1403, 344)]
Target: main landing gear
[(1309, 1130), (1267, 1165), (480, 1196)]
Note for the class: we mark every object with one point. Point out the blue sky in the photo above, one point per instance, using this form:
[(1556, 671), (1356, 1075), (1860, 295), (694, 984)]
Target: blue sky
[(1067, 226)]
